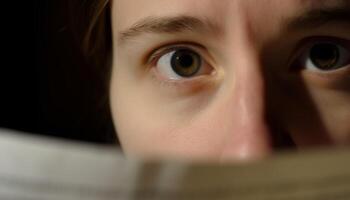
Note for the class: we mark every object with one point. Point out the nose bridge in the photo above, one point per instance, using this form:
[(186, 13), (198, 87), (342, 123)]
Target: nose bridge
[(249, 136), (249, 92)]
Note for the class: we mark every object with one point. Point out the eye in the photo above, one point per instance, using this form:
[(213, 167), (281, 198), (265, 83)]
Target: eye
[(325, 57), (182, 63)]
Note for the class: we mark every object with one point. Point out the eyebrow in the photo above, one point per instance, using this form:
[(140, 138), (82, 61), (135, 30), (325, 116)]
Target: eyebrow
[(169, 25), (179, 24), (318, 17)]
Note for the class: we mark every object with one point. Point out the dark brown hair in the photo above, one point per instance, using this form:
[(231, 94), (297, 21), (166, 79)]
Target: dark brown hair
[(91, 25)]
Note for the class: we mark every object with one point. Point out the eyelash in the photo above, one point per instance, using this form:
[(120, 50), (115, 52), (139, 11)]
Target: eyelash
[(154, 55), (304, 45), (295, 64)]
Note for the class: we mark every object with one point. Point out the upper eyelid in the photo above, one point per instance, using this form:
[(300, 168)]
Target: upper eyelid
[(306, 43), (162, 50), (325, 39), (301, 46)]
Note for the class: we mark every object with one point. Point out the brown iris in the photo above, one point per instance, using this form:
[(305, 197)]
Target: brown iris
[(325, 56), (185, 62)]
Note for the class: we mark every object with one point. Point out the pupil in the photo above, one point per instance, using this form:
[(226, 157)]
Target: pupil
[(185, 62), (325, 56)]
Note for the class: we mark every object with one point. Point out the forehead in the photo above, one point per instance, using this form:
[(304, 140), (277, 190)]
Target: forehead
[(127, 12)]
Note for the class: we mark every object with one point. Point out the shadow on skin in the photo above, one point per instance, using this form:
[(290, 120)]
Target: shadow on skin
[(292, 114)]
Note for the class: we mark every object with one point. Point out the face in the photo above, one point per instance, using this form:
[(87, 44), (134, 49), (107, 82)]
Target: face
[(229, 80)]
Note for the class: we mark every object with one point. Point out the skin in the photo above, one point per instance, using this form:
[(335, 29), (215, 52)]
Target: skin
[(250, 100)]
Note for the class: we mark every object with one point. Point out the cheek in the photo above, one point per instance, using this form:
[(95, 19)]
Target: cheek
[(334, 110), (315, 115), (149, 125), (156, 133), (292, 104)]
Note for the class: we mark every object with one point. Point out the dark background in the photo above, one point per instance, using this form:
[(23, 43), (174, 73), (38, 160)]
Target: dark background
[(47, 86)]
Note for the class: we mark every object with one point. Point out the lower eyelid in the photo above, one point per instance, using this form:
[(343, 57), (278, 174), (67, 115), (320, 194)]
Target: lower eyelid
[(334, 79), (183, 81), (188, 86), (183, 87)]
